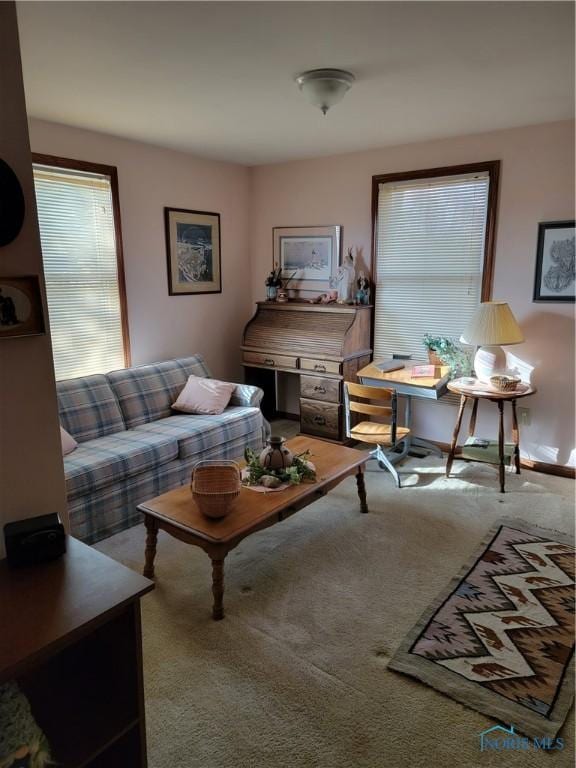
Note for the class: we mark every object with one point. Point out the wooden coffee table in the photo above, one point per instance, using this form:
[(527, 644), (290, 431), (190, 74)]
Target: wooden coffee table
[(176, 512)]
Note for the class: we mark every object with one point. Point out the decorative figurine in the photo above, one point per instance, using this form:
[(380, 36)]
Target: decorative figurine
[(345, 279), (363, 292)]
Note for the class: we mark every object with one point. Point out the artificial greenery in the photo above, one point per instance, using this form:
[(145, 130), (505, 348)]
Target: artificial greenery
[(451, 353), (299, 471), (276, 280)]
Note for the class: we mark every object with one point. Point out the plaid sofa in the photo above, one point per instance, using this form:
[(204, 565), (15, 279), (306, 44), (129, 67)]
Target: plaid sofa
[(132, 446)]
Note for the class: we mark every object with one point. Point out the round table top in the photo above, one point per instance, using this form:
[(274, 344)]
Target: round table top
[(487, 391)]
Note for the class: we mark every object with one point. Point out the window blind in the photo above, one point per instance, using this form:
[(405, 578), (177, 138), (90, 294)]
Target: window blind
[(429, 259), (76, 217)]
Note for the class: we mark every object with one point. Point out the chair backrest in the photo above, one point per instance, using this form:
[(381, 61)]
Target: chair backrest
[(355, 396)]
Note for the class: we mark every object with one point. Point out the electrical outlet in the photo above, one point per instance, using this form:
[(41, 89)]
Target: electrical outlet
[(524, 417)]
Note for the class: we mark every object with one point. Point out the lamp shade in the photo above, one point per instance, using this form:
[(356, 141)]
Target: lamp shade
[(493, 324)]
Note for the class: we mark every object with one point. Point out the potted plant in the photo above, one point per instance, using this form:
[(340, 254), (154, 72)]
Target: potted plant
[(273, 282), (445, 351)]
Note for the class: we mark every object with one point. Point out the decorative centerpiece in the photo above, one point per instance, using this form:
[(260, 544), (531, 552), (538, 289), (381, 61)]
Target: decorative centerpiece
[(276, 467), (276, 455)]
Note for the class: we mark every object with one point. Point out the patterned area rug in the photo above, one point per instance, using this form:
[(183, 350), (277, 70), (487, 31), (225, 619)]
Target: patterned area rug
[(501, 638)]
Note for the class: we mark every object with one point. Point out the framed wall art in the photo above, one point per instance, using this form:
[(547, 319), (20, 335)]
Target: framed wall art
[(308, 256), (555, 268), (193, 251), (21, 311)]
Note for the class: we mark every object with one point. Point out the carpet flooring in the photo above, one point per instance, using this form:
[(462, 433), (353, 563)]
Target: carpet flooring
[(295, 676)]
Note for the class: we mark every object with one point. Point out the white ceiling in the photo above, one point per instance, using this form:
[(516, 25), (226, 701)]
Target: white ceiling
[(216, 78)]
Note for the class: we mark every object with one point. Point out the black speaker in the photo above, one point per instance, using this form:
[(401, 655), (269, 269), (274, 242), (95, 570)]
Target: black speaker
[(34, 540)]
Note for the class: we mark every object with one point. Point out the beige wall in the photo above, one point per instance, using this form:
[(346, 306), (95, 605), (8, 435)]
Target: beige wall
[(31, 473), (149, 178), (537, 184)]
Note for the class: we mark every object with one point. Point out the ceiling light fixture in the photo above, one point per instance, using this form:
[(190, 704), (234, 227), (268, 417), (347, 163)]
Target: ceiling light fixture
[(325, 87)]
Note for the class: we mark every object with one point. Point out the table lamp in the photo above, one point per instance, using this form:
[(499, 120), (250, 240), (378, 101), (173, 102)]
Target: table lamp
[(492, 325)]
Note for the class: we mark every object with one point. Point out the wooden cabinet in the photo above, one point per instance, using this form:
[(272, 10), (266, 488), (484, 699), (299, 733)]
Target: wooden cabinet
[(71, 637), (323, 345)]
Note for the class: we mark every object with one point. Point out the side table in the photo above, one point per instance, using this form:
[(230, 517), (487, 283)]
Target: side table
[(480, 391)]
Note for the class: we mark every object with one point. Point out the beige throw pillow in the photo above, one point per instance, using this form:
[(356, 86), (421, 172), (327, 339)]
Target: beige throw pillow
[(68, 442), (201, 395)]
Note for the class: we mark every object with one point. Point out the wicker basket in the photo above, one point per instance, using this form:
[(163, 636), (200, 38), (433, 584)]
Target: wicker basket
[(505, 383), (215, 487)]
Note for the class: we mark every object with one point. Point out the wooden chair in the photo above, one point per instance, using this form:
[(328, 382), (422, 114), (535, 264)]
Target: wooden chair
[(383, 435)]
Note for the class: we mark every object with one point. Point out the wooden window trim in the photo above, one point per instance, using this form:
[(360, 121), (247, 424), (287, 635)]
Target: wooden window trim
[(493, 169), (112, 172)]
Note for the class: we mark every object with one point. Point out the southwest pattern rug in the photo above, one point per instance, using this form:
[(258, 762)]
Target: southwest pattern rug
[(500, 639)]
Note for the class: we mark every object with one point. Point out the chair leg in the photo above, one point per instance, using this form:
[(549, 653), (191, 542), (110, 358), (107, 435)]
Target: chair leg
[(384, 463)]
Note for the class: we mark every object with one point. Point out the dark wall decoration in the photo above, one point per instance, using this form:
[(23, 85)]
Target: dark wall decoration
[(11, 204)]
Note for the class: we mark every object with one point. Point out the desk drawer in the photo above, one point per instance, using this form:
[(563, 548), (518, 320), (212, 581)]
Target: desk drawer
[(322, 419), (271, 360), (319, 366), (317, 388)]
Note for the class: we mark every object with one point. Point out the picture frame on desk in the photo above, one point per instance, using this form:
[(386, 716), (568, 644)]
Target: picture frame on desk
[(309, 256)]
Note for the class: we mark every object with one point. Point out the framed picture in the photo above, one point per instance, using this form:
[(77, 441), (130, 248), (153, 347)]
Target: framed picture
[(20, 307), (555, 276), (308, 256), (193, 251)]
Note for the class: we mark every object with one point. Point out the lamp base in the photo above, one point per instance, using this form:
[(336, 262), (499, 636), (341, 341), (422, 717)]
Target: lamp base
[(489, 361)]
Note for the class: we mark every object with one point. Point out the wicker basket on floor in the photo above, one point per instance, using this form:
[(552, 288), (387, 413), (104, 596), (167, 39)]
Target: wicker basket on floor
[(215, 487)]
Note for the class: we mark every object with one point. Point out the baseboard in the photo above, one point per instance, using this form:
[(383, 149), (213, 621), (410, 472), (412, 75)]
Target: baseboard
[(535, 466), (549, 469)]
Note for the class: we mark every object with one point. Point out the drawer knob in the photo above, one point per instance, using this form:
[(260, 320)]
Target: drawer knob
[(268, 361), (320, 389), (319, 367), (320, 420)]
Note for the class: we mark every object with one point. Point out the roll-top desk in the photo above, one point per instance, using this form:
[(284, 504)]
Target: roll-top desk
[(323, 344)]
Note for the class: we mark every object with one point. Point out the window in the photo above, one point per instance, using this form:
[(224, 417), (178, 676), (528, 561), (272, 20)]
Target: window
[(79, 222), (434, 241)]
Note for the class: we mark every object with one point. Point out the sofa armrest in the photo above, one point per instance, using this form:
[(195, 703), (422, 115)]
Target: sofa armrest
[(247, 395)]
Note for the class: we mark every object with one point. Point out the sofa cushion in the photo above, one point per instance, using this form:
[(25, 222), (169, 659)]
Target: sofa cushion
[(98, 463), (204, 396), (146, 393), (67, 441), (88, 408), (197, 434), (194, 366)]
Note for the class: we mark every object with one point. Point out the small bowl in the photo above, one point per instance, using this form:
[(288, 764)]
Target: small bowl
[(504, 383)]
